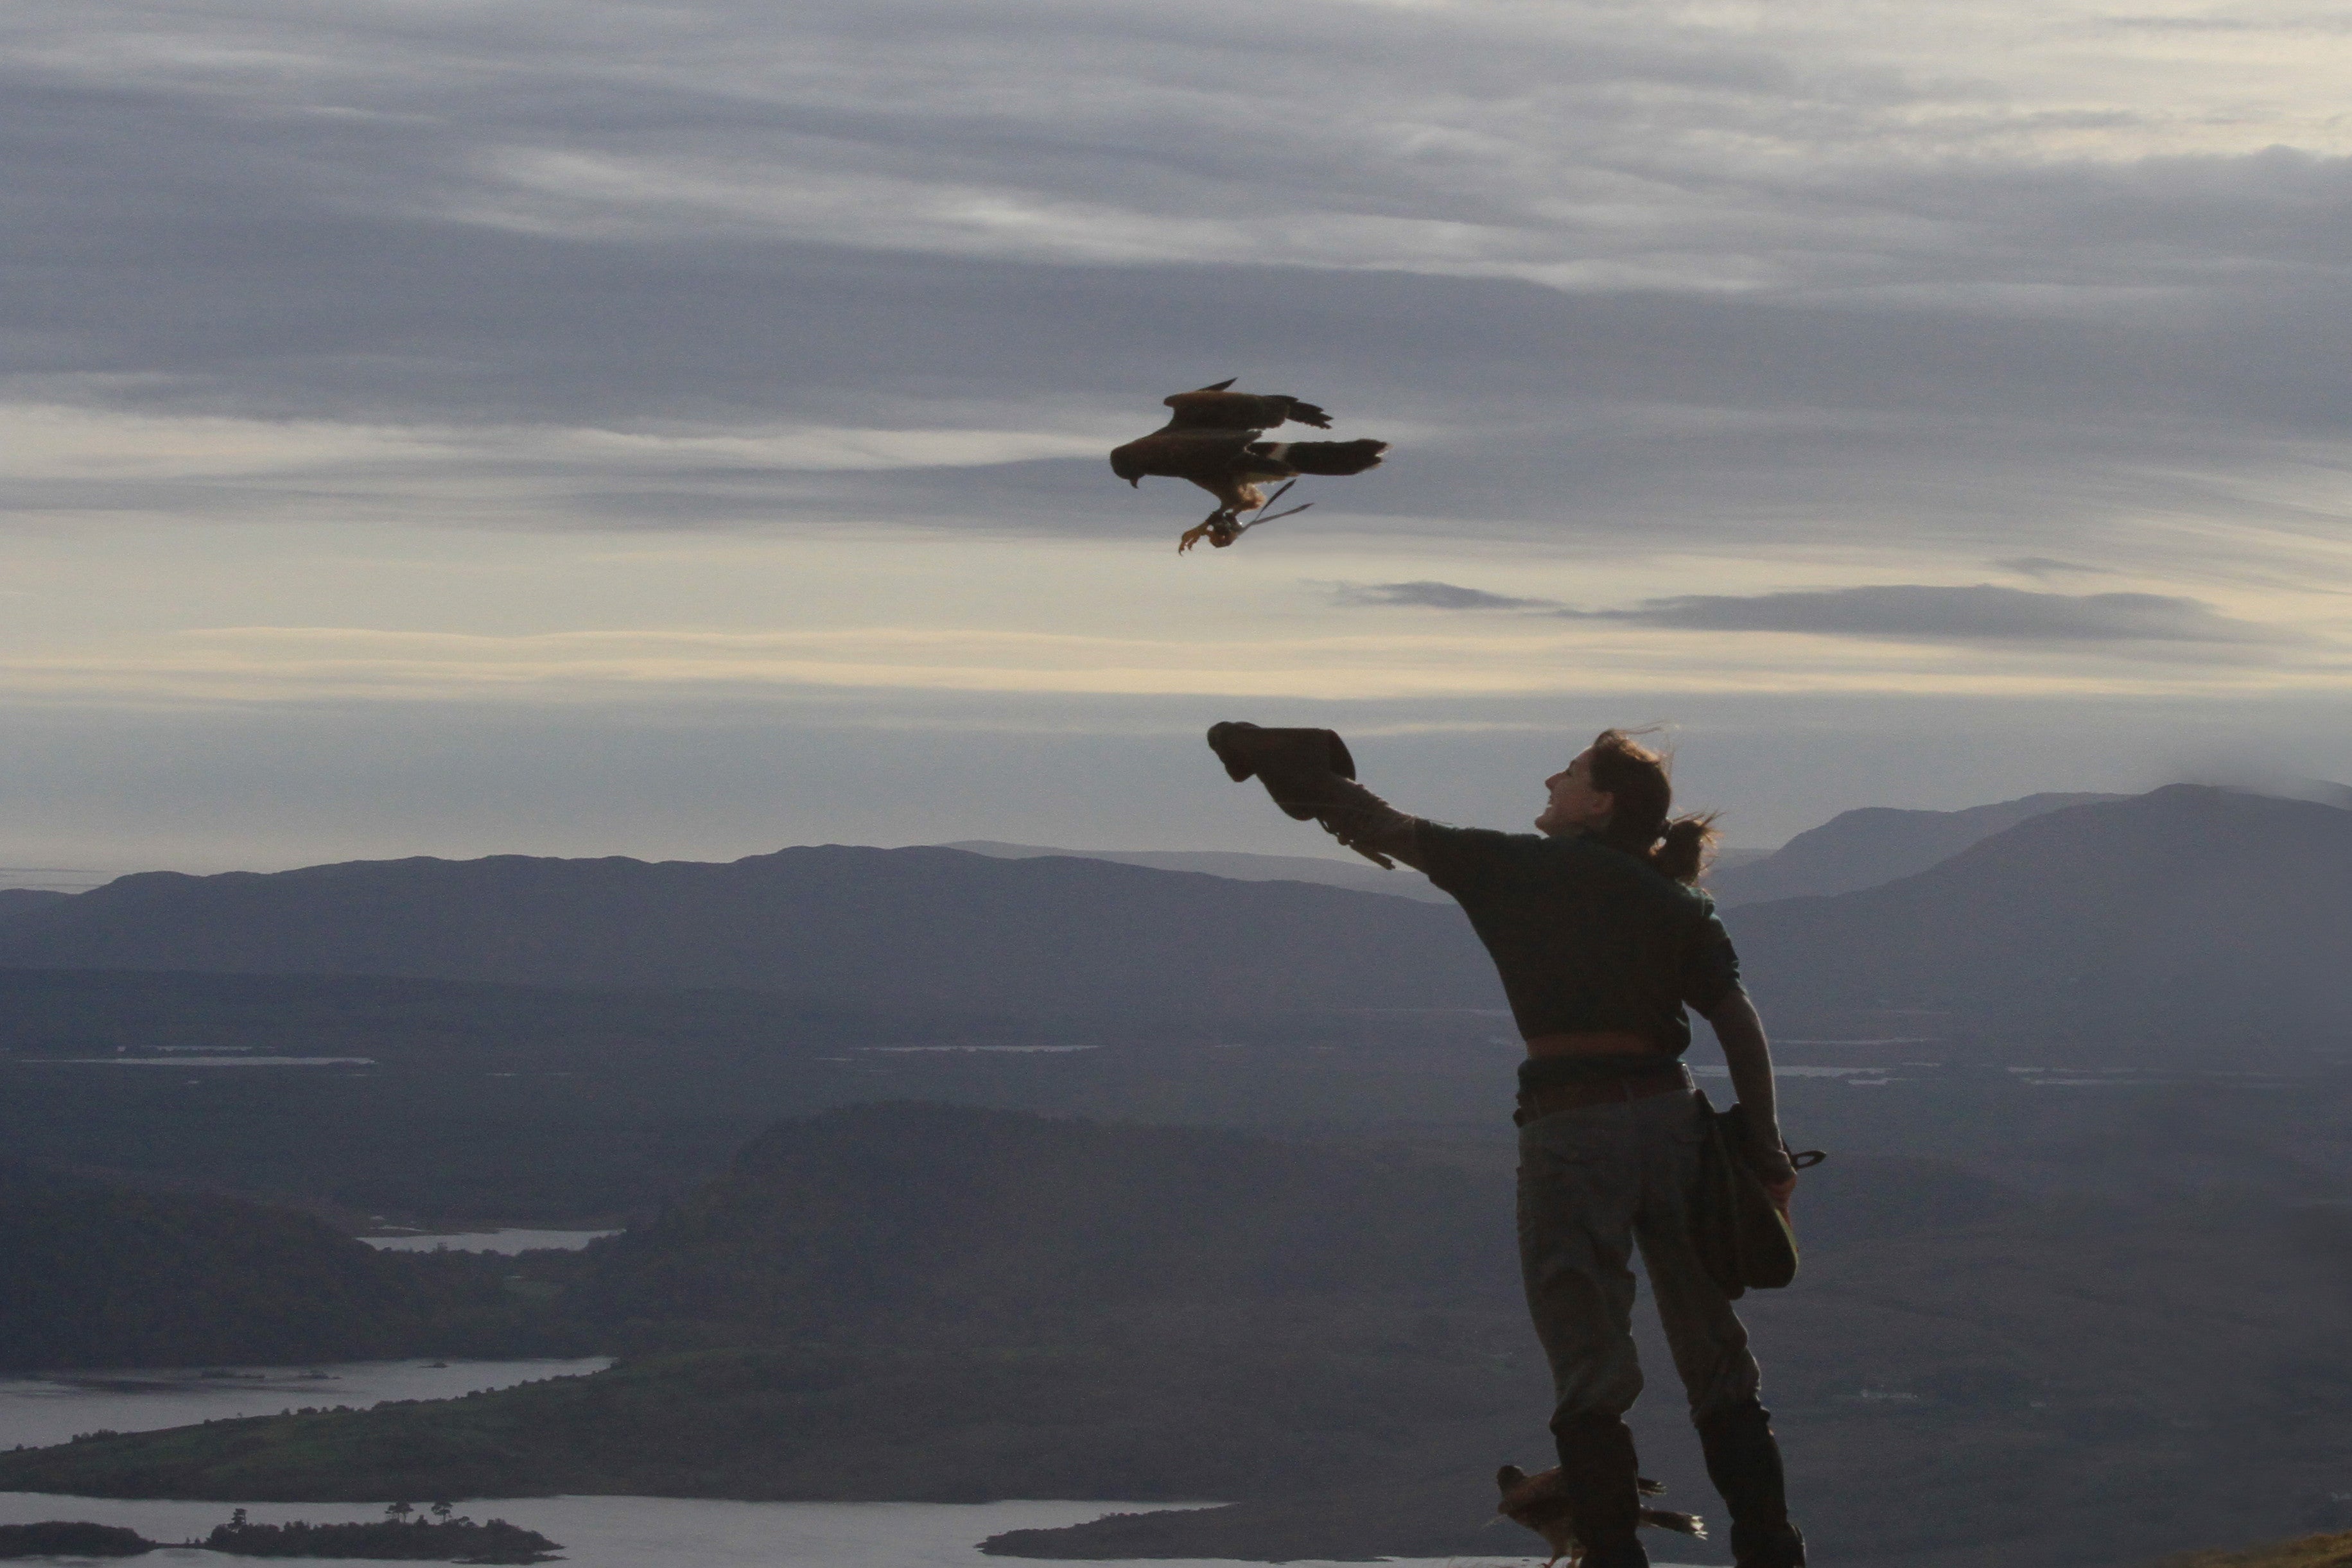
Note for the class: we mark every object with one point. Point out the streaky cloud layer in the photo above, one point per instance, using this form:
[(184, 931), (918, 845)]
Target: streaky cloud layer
[(558, 359), (1901, 612)]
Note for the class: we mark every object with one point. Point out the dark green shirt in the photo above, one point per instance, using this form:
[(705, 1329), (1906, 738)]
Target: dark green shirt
[(1586, 937)]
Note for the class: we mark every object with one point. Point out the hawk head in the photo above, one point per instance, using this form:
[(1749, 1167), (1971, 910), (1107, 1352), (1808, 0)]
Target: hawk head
[(1123, 464)]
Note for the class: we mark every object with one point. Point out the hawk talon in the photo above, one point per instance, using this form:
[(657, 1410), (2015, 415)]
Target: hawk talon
[(1217, 528)]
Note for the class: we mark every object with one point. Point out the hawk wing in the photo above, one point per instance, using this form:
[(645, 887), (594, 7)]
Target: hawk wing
[(1216, 408), (1529, 1499), (1539, 1502), (1339, 458)]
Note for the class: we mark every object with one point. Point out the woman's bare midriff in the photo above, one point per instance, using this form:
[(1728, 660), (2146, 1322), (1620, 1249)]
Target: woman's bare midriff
[(1591, 1043)]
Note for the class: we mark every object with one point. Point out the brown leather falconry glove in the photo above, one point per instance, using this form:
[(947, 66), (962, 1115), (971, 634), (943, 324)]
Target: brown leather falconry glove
[(1311, 775)]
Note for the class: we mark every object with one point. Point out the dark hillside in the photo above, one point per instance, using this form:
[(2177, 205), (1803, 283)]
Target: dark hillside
[(905, 929), (73, 1538), (942, 1219), (14, 901), (2189, 912), (97, 1276)]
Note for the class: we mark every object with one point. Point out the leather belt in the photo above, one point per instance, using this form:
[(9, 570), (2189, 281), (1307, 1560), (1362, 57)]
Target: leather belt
[(1590, 1043), (1552, 1098)]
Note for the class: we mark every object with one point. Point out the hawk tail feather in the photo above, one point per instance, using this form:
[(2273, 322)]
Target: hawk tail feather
[(1683, 1524), (1324, 457)]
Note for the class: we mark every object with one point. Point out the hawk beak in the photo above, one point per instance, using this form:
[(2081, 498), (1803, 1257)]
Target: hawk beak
[(1136, 483)]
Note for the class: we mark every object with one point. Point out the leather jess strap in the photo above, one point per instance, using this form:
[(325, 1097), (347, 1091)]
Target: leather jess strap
[(1549, 1100)]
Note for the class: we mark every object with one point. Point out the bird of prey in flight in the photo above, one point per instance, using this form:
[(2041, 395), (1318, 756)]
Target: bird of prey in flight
[(1212, 439)]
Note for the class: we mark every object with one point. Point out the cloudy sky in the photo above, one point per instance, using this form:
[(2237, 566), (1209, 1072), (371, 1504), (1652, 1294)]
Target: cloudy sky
[(460, 425)]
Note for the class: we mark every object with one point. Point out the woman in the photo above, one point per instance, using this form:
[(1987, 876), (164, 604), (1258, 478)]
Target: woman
[(1602, 941)]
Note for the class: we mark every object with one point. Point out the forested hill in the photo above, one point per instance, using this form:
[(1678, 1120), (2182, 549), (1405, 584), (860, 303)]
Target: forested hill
[(103, 1275), (2186, 913), (913, 930), (931, 1216)]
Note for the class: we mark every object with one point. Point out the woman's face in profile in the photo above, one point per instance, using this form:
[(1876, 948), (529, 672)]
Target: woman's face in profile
[(1575, 806)]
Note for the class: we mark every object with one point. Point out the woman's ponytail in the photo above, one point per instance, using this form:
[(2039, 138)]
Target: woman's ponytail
[(1637, 777), (1682, 852)]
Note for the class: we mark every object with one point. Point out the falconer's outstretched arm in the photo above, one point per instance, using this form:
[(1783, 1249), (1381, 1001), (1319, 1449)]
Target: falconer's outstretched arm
[(1366, 823), (1311, 775)]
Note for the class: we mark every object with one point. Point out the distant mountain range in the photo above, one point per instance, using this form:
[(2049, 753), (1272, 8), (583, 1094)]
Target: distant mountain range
[(923, 930), (1876, 845), (1360, 876), (1853, 850), (2188, 912)]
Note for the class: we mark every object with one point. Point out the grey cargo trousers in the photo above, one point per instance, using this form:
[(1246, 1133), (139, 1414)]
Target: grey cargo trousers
[(1594, 1182)]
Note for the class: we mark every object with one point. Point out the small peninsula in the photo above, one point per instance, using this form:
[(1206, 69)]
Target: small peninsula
[(72, 1538)]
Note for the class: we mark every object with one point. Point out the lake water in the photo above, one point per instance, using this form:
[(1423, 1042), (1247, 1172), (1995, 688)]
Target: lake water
[(204, 1061), (506, 1241), (596, 1532)]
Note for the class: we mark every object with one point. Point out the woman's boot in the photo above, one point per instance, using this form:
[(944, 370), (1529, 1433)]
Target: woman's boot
[(1743, 1460), (1603, 1487)]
